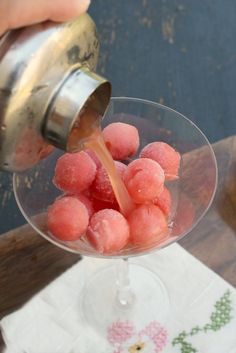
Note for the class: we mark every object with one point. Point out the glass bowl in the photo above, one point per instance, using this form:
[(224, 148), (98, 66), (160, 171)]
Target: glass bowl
[(192, 195)]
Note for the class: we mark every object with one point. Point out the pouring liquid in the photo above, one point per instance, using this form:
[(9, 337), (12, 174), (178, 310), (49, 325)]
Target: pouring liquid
[(89, 134)]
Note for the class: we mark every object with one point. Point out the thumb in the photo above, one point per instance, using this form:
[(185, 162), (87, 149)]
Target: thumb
[(19, 13)]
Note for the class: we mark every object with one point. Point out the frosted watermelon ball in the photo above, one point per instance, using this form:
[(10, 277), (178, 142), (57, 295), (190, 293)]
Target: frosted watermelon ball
[(122, 140), (99, 205), (108, 231), (144, 180), (101, 188), (148, 225), (67, 218), (163, 201), (94, 157), (165, 155), (83, 197), (86, 202), (74, 172)]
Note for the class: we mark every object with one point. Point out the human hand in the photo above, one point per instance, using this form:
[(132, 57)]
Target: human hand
[(19, 13)]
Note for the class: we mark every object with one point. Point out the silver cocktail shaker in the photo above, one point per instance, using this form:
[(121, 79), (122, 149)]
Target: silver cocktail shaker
[(46, 81)]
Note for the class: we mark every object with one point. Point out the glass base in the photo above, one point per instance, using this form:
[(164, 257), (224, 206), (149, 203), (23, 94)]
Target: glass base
[(102, 305)]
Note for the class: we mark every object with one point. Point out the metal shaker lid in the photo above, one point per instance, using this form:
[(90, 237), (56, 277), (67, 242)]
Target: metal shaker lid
[(35, 63), (83, 93)]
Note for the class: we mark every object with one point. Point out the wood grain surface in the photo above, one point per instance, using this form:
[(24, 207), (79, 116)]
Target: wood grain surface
[(213, 241), (27, 264)]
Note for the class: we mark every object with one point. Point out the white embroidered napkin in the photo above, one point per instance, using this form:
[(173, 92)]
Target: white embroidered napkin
[(202, 317)]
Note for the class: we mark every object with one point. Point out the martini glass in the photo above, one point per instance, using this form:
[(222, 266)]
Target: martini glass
[(123, 289)]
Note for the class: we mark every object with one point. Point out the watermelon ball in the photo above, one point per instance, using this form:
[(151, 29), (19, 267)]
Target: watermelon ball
[(74, 172), (165, 155), (144, 180), (108, 231), (101, 188), (87, 203), (148, 225), (84, 198), (99, 205), (67, 218), (163, 201), (122, 140), (94, 157)]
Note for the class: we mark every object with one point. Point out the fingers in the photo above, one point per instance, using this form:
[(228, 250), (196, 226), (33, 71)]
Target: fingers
[(62, 10), (19, 13)]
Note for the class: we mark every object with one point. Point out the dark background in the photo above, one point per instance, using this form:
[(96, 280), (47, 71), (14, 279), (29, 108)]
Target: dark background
[(181, 53)]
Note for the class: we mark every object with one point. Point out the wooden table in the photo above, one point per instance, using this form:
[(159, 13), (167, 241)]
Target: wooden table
[(28, 262)]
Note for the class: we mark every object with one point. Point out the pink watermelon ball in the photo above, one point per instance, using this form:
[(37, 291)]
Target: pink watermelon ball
[(101, 188), (94, 157), (122, 140), (165, 155), (84, 198), (108, 231), (148, 225), (87, 203), (144, 180), (163, 201), (99, 205), (74, 172), (67, 218)]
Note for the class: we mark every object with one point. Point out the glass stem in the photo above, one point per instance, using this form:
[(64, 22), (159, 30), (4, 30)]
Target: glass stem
[(124, 296)]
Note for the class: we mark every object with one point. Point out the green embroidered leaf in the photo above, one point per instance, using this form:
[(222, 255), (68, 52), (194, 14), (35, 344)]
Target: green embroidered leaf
[(206, 328), (195, 330), (185, 346), (219, 318), (179, 339)]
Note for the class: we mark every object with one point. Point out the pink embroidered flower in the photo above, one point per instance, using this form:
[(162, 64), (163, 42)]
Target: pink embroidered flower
[(156, 333), (125, 338), (120, 331)]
